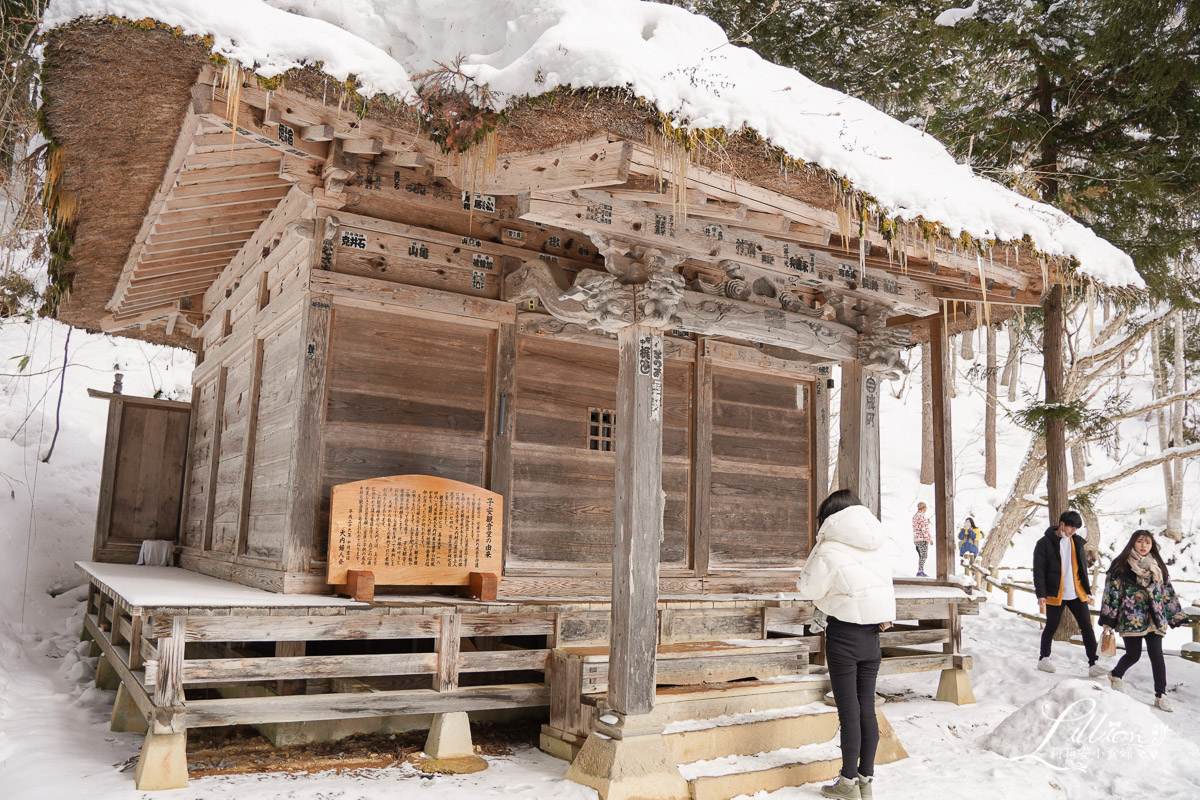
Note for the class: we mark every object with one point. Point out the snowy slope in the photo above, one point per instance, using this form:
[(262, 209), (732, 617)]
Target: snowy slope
[(677, 60), (41, 547)]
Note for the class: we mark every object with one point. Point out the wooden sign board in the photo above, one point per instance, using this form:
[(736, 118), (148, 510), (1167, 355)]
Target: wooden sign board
[(414, 530)]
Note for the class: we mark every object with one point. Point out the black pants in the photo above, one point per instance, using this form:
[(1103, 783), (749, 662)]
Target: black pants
[(853, 656), (1133, 651), (1079, 610)]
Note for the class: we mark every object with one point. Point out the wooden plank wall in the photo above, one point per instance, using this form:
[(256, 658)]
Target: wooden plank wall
[(561, 508), (761, 467), (236, 516), (141, 490), (205, 400), (405, 395), (266, 505)]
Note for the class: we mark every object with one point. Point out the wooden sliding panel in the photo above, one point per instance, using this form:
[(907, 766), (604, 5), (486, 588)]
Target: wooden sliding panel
[(759, 503), (231, 454), (405, 395), (201, 455), (279, 382), (561, 509)]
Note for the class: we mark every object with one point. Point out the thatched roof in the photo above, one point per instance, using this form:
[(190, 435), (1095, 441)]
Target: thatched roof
[(115, 98), (119, 98)]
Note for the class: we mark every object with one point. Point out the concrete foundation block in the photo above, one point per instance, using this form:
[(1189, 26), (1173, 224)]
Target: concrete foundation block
[(126, 716), (630, 768), (106, 676), (955, 687), (449, 736), (163, 764)]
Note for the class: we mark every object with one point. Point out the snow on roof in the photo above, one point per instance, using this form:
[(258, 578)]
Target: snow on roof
[(681, 62)]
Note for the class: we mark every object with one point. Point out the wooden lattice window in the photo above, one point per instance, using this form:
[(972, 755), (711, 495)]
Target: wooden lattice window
[(602, 429)]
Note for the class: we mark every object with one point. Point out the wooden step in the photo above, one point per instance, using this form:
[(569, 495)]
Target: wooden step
[(678, 703), (747, 734), (695, 663), (729, 777), (726, 778)]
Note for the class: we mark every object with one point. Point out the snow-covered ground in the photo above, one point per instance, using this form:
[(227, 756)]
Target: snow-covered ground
[(54, 737)]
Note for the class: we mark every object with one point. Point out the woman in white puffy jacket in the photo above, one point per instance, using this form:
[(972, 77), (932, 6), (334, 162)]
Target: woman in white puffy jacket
[(848, 576)]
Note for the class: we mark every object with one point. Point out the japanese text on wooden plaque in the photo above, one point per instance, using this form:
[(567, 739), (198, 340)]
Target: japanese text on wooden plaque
[(414, 530)]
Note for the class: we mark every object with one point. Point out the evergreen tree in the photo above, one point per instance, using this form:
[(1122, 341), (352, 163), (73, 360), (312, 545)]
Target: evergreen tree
[(1093, 107)]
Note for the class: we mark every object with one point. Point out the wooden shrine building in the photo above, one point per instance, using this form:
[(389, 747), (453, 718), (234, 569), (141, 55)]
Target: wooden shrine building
[(631, 342)]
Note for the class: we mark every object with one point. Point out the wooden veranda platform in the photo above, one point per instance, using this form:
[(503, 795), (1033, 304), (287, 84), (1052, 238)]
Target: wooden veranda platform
[(190, 651)]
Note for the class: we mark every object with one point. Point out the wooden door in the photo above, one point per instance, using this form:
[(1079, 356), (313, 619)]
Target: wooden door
[(562, 497), (759, 495), (141, 482)]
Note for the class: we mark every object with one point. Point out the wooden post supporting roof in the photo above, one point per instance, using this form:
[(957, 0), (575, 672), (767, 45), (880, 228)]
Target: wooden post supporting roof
[(943, 455), (858, 446), (638, 520)]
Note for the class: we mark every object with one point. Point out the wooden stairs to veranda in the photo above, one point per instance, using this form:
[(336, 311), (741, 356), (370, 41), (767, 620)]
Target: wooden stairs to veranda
[(743, 718)]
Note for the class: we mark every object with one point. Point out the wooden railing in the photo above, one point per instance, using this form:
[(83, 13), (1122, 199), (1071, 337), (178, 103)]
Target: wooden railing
[(985, 582)]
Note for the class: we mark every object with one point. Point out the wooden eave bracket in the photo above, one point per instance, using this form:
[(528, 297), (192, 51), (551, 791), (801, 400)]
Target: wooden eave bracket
[(598, 301)]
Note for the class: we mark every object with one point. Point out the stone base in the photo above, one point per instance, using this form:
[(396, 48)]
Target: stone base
[(890, 749), (163, 764), (106, 676), (459, 765), (126, 716), (955, 687), (450, 736), (630, 768)]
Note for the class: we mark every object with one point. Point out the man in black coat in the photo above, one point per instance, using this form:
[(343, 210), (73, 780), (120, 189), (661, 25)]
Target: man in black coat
[(1060, 580)]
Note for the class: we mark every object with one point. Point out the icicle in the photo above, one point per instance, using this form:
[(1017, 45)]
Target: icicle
[(1091, 301), (983, 289)]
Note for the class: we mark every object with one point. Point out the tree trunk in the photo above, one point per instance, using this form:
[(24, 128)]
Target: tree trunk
[(1175, 499), (1091, 523), (1016, 507), (926, 416), (1078, 473), (1160, 390), (1056, 429), (989, 417), (1013, 367)]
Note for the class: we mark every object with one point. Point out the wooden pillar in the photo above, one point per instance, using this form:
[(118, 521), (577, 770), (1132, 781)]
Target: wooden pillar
[(943, 454), (820, 437), (954, 685), (304, 496), (638, 518), (858, 448)]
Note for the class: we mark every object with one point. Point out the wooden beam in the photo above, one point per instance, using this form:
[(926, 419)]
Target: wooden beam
[(252, 129), (723, 186), (372, 293), (787, 264), (700, 313), (943, 449), (593, 162), (303, 708)]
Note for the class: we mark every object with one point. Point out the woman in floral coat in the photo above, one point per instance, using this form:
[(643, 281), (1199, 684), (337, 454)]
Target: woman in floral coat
[(1140, 604)]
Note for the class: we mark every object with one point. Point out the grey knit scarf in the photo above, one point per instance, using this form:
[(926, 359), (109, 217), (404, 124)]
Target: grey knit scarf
[(1145, 569)]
